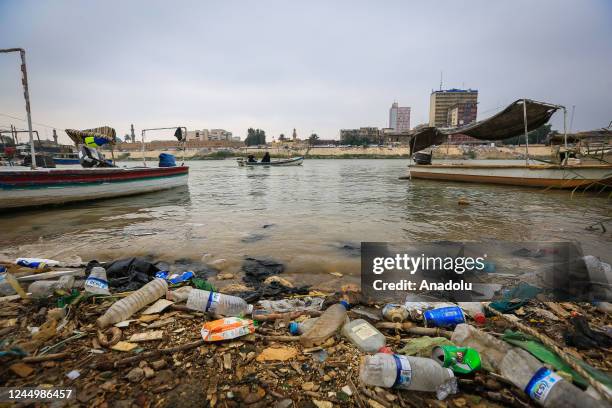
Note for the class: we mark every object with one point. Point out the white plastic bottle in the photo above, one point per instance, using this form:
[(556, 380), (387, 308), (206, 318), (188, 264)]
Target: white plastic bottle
[(126, 307), (44, 288), (96, 282), (474, 310), (326, 325), (541, 384), (217, 303), (363, 335), (409, 373)]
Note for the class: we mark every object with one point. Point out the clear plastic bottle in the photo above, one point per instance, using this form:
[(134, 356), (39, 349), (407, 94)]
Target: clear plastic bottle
[(409, 373), (362, 334), (474, 310), (179, 295), (541, 384), (96, 282), (491, 350), (297, 328), (395, 313), (126, 307), (44, 288), (9, 285), (326, 326), (217, 303)]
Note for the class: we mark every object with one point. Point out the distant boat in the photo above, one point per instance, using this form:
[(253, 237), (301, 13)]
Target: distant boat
[(293, 161), (66, 158)]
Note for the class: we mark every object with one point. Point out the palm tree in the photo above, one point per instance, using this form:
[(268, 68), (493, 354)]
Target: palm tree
[(312, 140)]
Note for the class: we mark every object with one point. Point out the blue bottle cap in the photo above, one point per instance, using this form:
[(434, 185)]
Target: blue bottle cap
[(293, 328), (345, 304)]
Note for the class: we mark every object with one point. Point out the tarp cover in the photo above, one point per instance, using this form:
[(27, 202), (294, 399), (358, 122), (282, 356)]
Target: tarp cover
[(505, 124), (105, 132)]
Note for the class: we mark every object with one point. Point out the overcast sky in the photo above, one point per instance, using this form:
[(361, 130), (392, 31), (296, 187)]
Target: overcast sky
[(318, 66)]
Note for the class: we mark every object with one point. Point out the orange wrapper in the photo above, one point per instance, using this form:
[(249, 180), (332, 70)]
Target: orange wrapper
[(227, 328)]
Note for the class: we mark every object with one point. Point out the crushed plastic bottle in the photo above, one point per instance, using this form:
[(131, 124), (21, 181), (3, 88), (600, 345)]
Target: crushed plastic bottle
[(492, 350), (545, 387), (292, 305), (474, 310), (10, 285), (180, 294), (126, 307), (326, 326), (395, 313), (36, 263), (297, 328), (44, 288), (96, 282), (409, 373), (362, 334), (217, 303)]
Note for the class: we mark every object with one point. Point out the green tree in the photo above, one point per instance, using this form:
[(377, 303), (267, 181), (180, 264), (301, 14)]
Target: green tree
[(255, 137), (282, 138), (312, 140)]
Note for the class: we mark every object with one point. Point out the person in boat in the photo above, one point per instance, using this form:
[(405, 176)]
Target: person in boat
[(251, 159), (266, 158), (89, 155)]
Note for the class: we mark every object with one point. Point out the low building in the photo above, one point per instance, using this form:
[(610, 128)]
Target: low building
[(369, 135), (197, 135), (219, 134), (212, 134)]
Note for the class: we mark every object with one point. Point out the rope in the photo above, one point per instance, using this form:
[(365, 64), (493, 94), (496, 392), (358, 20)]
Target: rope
[(602, 389)]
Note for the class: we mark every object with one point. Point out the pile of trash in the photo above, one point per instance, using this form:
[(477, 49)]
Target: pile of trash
[(134, 333)]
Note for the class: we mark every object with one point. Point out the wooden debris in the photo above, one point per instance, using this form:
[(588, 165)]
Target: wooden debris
[(147, 336)]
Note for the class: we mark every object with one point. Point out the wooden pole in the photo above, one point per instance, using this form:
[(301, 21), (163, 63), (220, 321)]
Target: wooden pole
[(526, 133)]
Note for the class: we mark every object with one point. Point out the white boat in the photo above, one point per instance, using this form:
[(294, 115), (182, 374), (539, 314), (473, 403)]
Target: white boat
[(533, 175), (293, 161)]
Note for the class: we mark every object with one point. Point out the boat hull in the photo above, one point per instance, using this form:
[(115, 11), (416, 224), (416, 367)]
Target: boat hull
[(550, 176), (295, 161), (28, 188)]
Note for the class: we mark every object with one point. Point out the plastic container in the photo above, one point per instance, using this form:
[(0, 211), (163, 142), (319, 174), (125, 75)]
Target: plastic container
[(217, 303), (409, 373), (492, 350), (36, 263), (363, 335), (126, 307), (541, 384), (96, 282), (292, 305), (444, 317), (326, 326), (395, 313), (180, 294), (297, 328), (474, 310), (9, 285), (44, 288)]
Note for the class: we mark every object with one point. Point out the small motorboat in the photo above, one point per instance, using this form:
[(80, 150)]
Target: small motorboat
[(292, 161)]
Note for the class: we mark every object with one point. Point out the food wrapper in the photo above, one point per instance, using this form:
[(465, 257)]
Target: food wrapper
[(227, 328)]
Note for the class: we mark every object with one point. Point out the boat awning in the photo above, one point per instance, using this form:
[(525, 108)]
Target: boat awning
[(104, 132), (503, 125)]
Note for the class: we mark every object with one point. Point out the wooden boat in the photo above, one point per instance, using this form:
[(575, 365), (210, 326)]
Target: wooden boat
[(28, 188), (533, 175), (292, 161), (66, 159)]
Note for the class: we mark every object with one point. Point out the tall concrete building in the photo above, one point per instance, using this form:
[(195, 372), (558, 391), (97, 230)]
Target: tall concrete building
[(440, 102), (399, 117)]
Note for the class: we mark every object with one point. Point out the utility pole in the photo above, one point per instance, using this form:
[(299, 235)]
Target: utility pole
[(26, 95)]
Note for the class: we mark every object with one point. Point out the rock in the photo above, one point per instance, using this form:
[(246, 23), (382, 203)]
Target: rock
[(135, 375), (463, 201), (124, 346), (218, 264), (109, 385), (21, 369), (347, 390), (270, 279), (148, 372), (277, 354), (374, 404), (286, 403), (322, 404), (159, 364), (308, 386), (258, 269), (254, 396), (225, 276)]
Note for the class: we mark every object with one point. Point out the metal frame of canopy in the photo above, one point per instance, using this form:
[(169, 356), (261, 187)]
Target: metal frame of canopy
[(183, 141)]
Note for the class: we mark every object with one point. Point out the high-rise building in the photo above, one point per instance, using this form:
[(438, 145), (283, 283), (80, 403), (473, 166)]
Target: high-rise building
[(461, 114), (399, 117), (440, 102)]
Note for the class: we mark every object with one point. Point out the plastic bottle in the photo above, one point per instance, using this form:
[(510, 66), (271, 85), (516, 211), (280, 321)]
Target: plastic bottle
[(491, 349), (297, 328), (292, 305), (474, 310), (9, 285), (395, 313), (126, 307), (541, 384), (444, 316), (217, 303), (326, 326), (363, 335), (44, 288), (36, 263), (603, 307), (96, 282), (416, 309), (409, 373), (180, 294)]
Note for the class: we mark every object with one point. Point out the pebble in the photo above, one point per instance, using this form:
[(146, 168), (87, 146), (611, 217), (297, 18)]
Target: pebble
[(148, 372), (135, 374), (323, 404), (347, 390), (286, 403), (159, 364), (308, 386)]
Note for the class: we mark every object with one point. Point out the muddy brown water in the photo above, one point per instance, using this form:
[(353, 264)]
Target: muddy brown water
[(311, 217)]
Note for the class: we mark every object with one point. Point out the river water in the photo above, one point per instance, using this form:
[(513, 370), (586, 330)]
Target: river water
[(311, 217)]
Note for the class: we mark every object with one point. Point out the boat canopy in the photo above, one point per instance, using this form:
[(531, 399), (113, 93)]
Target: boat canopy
[(503, 125), (104, 132)]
